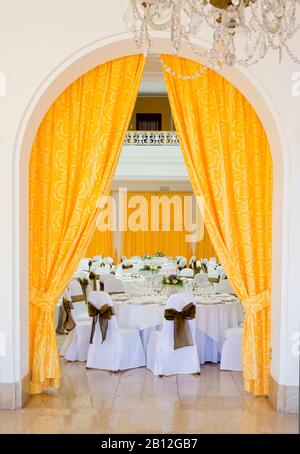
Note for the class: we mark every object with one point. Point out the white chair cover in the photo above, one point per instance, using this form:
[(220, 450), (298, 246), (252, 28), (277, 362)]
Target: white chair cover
[(186, 272), (182, 263), (212, 261), (113, 285), (82, 274), (108, 260), (224, 286), (220, 269), (105, 277), (231, 357), (97, 258), (122, 349), (213, 274), (75, 347), (79, 307), (84, 264), (96, 268), (162, 358), (106, 269), (201, 277)]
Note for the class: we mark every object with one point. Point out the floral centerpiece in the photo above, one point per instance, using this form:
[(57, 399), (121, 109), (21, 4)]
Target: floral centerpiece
[(159, 254), (153, 268), (172, 279), (146, 257)]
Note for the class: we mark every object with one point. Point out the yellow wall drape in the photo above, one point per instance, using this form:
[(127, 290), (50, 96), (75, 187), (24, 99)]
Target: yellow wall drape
[(205, 248), (73, 159), (230, 165), (102, 240), (100, 244), (150, 242), (173, 242)]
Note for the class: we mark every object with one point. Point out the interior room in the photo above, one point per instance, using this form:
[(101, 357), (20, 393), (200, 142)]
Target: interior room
[(152, 209)]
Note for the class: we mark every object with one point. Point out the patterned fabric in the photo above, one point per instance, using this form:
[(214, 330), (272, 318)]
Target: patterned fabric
[(73, 159), (229, 163), (101, 244), (172, 242)]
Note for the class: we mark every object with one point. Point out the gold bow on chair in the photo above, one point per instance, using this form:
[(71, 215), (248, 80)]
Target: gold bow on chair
[(65, 319), (103, 314), (84, 284), (94, 278), (182, 331), (69, 323)]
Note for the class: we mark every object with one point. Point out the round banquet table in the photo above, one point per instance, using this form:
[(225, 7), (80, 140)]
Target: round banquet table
[(212, 320)]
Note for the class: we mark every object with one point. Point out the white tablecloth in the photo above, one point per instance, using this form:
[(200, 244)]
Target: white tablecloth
[(212, 320)]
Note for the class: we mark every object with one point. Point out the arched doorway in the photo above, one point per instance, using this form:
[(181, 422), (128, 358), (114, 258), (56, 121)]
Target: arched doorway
[(41, 101)]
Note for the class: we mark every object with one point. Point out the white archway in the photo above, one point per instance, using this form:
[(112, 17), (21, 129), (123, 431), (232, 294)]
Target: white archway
[(69, 70)]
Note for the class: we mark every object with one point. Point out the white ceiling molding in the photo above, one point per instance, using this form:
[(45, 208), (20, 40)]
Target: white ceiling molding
[(153, 81)]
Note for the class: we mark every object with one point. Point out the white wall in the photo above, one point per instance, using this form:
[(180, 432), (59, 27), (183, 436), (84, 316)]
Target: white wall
[(164, 161), (39, 40)]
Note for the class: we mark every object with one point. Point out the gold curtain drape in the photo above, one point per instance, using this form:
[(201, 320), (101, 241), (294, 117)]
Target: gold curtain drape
[(150, 242), (102, 240), (229, 162), (205, 248), (72, 163), (100, 244)]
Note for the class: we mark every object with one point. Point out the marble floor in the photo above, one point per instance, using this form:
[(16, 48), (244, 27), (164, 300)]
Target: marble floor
[(93, 401)]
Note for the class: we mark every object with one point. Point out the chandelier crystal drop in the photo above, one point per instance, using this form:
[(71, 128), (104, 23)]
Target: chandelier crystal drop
[(242, 31)]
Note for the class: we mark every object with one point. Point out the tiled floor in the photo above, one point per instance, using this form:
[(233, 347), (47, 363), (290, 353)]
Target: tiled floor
[(92, 401)]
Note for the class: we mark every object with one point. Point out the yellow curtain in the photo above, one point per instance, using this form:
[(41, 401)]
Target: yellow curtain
[(102, 240), (147, 241), (100, 244), (72, 163), (205, 248), (229, 162)]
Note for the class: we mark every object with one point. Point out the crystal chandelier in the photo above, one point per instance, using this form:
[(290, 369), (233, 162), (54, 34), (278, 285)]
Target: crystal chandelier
[(242, 31)]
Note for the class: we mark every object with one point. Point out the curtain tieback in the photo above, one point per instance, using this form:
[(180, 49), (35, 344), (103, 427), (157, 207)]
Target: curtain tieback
[(182, 331), (103, 315), (256, 303), (253, 305), (42, 300)]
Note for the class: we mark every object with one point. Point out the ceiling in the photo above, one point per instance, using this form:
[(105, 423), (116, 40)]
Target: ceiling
[(153, 82)]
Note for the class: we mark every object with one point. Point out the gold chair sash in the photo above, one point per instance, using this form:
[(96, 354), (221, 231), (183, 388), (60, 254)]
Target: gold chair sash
[(84, 284), (65, 319), (182, 331), (77, 298), (102, 315), (214, 280), (69, 323), (94, 277)]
